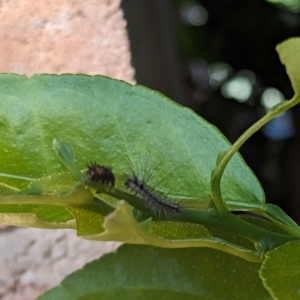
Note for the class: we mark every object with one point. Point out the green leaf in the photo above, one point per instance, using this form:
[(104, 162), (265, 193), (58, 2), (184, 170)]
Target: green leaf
[(66, 154), (280, 272), (118, 125), (42, 217), (44, 211), (122, 226), (112, 122), (277, 216), (289, 53), (59, 184), (142, 272), (88, 219), (48, 213)]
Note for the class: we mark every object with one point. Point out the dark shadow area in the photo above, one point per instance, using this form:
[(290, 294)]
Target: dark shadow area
[(219, 58)]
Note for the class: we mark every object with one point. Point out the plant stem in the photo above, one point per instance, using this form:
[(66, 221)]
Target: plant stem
[(219, 170), (261, 237)]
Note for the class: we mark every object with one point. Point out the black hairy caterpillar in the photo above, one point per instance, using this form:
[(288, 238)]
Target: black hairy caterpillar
[(100, 173), (146, 179), (156, 204)]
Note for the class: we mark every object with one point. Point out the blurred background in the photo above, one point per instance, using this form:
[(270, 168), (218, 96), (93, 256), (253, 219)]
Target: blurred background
[(58, 36), (219, 58)]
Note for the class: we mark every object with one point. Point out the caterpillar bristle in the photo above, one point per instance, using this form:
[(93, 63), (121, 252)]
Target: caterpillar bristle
[(157, 205), (101, 173)]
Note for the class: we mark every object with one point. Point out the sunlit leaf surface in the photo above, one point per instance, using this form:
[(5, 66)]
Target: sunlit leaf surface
[(140, 272), (280, 272), (115, 124)]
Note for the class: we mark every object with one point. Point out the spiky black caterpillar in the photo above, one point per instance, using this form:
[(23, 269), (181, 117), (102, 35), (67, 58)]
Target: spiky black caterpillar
[(101, 174)]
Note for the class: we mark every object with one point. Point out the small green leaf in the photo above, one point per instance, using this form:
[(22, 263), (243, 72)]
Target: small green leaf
[(143, 272), (289, 53), (280, 272), (122, 226), (67, 157), (277, 216)]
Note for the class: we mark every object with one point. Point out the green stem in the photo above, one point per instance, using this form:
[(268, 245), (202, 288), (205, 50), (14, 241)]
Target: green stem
[(262, 238), (219, 170)]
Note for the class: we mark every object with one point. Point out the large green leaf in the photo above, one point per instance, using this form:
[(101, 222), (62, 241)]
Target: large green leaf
[(140, 272), (113, 122), (280, 272)]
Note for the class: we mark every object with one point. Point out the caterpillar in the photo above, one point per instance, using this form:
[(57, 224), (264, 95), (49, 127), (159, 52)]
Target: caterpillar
[(145, 178), (100, 173), (158, 205)]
